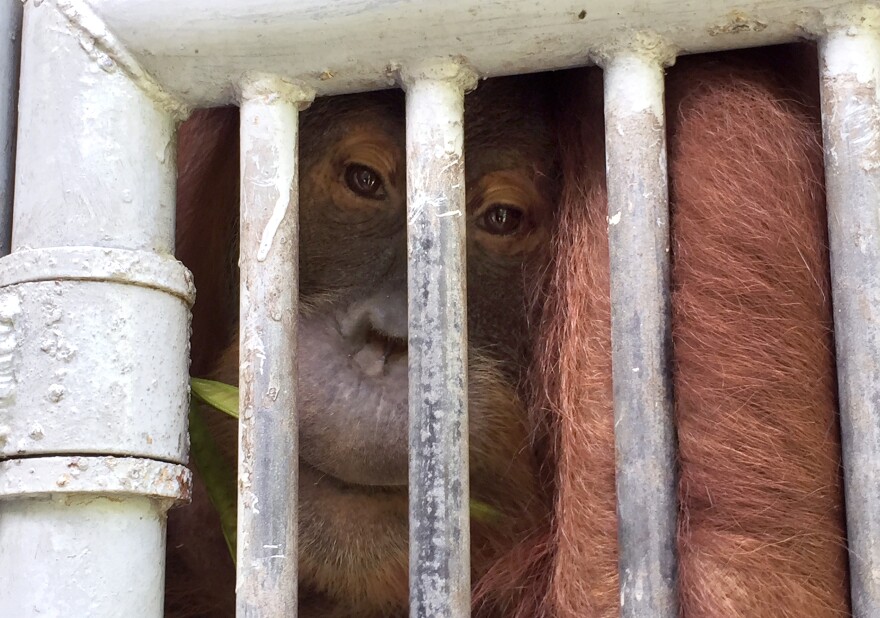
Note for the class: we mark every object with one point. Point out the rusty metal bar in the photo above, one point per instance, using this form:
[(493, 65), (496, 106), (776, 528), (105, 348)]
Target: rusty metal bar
[(268, 451), (439, 555), (850, 65), (638, 237)]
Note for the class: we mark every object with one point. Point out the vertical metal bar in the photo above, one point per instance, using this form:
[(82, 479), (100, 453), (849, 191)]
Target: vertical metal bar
[(10, 44), (638, 236), (850, 65), (268, 456), (94, 320), (439, 554)]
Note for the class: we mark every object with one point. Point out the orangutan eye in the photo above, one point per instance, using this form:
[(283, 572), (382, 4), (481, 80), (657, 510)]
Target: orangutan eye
[(502, 220), (364, 181)]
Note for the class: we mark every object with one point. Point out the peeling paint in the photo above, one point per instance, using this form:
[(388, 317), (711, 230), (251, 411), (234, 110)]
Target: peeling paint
[(274, 222), (268, 304), (10, 309), (439, 525)]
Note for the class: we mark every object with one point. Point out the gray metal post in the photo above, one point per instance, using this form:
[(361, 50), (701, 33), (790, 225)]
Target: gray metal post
[(638, 238), (94, 324), (439, 554), (850, 65)]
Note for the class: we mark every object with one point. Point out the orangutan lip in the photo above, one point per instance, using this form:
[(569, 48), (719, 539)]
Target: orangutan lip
[(377, 352), (326, 477)]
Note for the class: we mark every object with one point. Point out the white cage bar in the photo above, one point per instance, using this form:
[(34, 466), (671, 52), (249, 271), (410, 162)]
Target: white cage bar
[(92, 410), (850, 66), (104, 82), (268, 431)]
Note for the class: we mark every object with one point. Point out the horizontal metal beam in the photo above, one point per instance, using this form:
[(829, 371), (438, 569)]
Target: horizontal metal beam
[(200, 48)]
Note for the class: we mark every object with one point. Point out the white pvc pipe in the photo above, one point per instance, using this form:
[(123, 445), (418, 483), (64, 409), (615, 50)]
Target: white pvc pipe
[(94, 325), (93, 303), (267, 448), (850, 65), (199, 48), (10, 43), (88, 543), (439, 524), (638, 239)]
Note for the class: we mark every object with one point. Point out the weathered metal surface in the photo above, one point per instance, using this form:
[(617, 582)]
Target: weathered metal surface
[(81, 370), (638, 238), (94, 328), (35, 477), (199, 48), (268, 460), (148, 270), (850, 67), (69, 555), (439, 527), (96, 163), (10, 43)]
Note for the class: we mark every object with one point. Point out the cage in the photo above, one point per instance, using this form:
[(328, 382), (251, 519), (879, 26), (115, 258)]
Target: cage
[(94, 309)]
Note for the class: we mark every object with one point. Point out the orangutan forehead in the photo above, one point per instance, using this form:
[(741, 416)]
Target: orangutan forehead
[(508, 123)]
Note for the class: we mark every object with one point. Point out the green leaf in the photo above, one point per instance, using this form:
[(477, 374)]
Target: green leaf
[(223, 397), (218, 475), (482, 512)]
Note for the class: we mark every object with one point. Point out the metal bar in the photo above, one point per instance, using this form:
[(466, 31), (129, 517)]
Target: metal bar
[(94, 320), (850, 65), (268, 440), (638, 237), (439, 525), (199, 48), (10, 44)]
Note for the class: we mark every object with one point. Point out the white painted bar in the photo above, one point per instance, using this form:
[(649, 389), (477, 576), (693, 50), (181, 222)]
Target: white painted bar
[(439, 523), (199, 48), (96, 557), (638, 239), (96, 162), (10, 43), (86, 543), (850, 66), (91, 289), (93, 334), (268, 430)]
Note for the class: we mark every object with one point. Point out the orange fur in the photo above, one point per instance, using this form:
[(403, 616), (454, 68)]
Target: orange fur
[(761, 525)]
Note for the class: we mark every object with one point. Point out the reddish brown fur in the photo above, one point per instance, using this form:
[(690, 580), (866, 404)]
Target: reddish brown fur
[(753, 351), (761, 531)]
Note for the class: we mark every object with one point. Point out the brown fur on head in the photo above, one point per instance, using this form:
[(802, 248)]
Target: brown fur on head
[(761, 526)]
